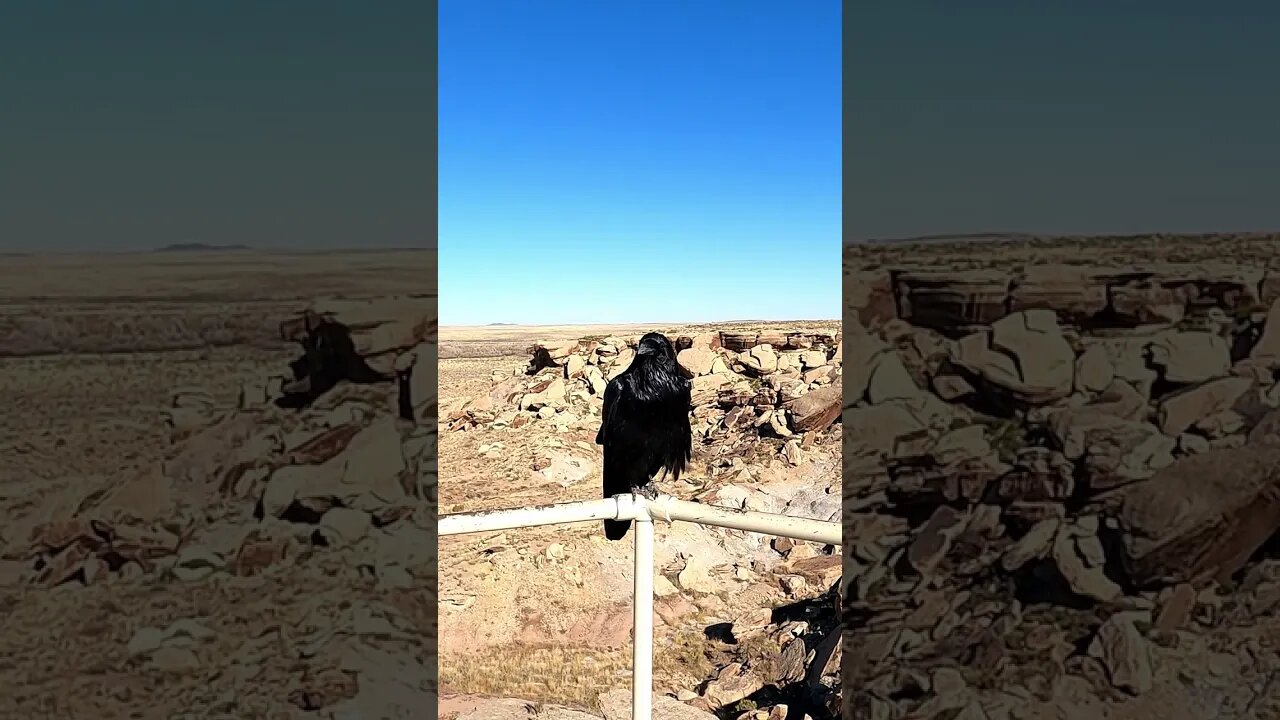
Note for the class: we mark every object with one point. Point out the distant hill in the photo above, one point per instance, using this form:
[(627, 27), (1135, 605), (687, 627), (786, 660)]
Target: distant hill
[(200, 247)]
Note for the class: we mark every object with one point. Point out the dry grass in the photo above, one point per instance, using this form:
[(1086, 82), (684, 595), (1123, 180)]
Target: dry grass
[(566, 676), (552, 674)]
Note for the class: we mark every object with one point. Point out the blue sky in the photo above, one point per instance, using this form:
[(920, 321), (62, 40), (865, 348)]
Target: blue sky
[(639, 162), (1063, 117), (284, 124)]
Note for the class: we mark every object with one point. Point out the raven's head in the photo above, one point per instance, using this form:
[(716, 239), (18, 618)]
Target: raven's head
[(657, 345)]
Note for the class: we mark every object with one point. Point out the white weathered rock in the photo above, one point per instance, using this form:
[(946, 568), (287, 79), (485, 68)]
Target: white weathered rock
[(761, 358), (1037, 543), (1025, 354), (1094, 371), (1267, 349), (1183, 409), (697, 360), (1091, 582), (1191, 357), (1125, 654)]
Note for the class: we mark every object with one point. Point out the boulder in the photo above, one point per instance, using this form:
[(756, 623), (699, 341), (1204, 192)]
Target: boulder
[(1202, 517), (1191, 357), (1183, 409), (1024, 355), (1267, 349), (697, 360), (947, 300)]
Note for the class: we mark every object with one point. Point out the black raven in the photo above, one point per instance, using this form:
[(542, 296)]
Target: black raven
[(644, 427)]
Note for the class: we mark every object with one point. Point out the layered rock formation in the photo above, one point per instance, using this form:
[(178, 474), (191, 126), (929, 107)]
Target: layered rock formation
[(1060, 483)]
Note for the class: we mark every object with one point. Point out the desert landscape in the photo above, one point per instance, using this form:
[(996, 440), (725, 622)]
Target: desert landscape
[(538, 621), (174, 542), (1062, 478)]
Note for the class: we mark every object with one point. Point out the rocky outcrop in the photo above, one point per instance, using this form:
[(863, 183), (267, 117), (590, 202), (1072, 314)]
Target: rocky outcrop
[(1048, 469)]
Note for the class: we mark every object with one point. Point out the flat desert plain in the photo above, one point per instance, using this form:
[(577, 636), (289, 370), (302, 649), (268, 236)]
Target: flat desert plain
[(132, 585)]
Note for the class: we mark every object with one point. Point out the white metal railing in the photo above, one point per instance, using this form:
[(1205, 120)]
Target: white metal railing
[(643, 511)]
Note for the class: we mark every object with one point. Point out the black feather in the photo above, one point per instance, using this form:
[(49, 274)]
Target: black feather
[(644, 426)]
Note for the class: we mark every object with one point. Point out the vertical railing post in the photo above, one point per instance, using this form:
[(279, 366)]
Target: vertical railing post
[(642, 647)]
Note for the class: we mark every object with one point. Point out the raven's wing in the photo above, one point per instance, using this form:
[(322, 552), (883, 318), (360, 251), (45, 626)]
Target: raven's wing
[(623, 436), (677, 435), (686, 430), (609, 412)]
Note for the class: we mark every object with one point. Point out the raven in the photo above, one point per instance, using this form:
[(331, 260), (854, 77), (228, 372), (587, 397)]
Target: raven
[(644, 427)]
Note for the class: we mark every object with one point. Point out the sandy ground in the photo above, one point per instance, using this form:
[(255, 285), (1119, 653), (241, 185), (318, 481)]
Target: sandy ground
[(92, 350)]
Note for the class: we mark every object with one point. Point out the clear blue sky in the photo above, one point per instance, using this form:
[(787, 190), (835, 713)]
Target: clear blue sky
[(1063, 117), (295, 124), (639, 162)]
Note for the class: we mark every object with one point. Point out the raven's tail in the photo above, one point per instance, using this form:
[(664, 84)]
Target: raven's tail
[(616, 529), (616, 482)]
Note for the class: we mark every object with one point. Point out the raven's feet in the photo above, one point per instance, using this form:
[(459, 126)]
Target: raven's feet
[(649, 491)]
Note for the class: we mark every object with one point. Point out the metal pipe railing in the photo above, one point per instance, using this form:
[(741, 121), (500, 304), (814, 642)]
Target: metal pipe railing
[(642, 511)]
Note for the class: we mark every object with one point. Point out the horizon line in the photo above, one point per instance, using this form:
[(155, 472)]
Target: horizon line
[(1020, 235), (614, 324)]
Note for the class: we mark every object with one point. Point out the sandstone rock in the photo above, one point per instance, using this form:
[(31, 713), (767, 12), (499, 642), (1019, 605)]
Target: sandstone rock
[(1122, 400), (566, 470), (1145, 302), (1267, 431), (1090, 582), (574, 365), (1176, 609), (1094, 372), (816, 410), (952, 387), (616, 705), (695, 576), (761, 359), (1267, 349), (595, 379), (934, 539), (1124, 652), (1024, 355), (869, 296), (876, 430), (1078, 294), (1185, 408), (621, 363), (811, 359), (697, 360), (1035, 544), (1191, 357), (1116, 451), (889, 380), (341, 527), (945, 300), (818, 374), (377, 326), (820, 571), (1202, 517), (733, 683), (549, 393)]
